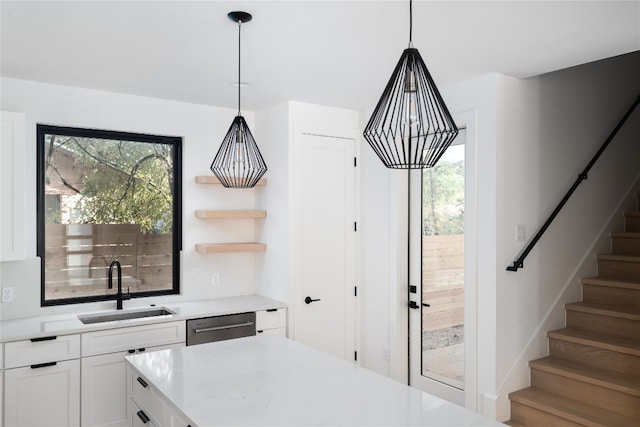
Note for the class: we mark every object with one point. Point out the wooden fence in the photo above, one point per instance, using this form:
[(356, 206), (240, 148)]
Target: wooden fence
[(77, 259), (442, 281)]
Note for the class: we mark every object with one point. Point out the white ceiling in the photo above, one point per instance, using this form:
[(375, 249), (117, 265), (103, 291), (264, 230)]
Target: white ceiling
[(337, 53)]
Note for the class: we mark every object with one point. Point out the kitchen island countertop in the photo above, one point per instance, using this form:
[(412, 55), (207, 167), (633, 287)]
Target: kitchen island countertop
[(268, 380)]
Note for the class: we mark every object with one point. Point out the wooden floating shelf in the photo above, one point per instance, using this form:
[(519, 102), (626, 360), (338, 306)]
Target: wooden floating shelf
[(210, 248), (230, 214), (214, 180)]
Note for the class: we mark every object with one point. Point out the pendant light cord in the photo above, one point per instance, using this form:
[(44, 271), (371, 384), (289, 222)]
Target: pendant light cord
[(410, 22), (239, 85)]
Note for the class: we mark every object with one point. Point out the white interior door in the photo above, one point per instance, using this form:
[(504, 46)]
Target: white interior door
[(324, 255), (442, 269)]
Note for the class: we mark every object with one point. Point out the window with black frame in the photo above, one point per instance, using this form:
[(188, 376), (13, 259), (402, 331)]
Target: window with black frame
[(106, 196)]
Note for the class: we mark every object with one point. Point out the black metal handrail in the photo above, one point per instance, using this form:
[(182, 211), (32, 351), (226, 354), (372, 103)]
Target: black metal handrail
[(519, 263)]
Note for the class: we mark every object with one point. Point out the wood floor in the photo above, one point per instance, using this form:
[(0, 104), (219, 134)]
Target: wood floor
[(592, 374)]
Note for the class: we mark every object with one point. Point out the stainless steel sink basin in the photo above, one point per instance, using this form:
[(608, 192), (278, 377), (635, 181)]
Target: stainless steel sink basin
[(124, 315)]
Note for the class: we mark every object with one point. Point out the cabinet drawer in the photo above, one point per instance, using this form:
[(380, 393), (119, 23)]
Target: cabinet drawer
[(174, 419), (132, 338), (41, 350), (138, 417), (271, 319), (279, 332), (147, 397)]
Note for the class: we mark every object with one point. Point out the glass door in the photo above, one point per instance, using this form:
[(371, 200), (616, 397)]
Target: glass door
[(437, 270)]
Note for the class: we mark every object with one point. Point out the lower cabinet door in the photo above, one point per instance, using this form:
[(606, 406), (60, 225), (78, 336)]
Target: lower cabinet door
[(43, 395), (104, 388)]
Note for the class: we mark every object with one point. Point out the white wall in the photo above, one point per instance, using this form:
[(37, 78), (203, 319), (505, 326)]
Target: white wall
[(202, 128), (274, 269)]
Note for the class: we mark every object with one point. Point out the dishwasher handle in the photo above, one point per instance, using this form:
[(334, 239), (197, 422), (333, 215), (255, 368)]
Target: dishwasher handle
[(220, 328)]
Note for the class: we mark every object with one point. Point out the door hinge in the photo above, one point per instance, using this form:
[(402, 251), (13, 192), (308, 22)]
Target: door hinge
[(355, 162), (355, 355), (355, 226), (355, 291)]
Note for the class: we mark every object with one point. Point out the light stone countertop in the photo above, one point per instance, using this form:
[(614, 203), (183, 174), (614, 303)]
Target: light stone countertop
[(269, 380), (65, 324)]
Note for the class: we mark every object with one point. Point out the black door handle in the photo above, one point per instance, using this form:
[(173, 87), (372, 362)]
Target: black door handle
[(413, 304), (308, 300)]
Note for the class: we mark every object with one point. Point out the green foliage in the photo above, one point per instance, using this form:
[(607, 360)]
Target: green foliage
[(443, 199), (122, 182)]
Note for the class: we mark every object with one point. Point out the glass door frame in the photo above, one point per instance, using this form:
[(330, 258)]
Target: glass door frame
[(466, 398)]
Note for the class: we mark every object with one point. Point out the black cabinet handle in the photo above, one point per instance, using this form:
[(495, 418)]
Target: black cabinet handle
[(272, 309), (141, 349), (309, 300), (142, 382), (143, 417), (424, 304), (43, 365), (43, 339), (259, 332), (131, 351)]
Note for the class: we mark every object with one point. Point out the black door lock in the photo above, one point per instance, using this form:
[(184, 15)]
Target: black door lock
[(308, 300)]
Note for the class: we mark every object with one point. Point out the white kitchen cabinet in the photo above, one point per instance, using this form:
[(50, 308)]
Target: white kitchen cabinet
[(12, 166), (1, 397), (104, 377), (41, 350), (45, 395), (104, 395), (137, 416), (1, 387), (104, 400), (174, 419), (272, 322), (42, 382), (135, 337)]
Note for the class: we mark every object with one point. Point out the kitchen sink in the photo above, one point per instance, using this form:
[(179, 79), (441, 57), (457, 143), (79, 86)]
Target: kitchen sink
[(124, 315)]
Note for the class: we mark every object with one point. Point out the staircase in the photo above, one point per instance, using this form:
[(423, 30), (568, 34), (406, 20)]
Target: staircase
[(592, 375)]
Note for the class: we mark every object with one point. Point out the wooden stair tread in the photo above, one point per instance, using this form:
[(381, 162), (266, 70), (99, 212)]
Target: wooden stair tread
[(622, 258), (620, 312), (591, 339), (572, 410), (600, 377), (625, 234), (513, 423), (616, 283)]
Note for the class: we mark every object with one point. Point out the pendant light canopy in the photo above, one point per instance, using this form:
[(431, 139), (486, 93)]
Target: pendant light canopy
[(411, 126), (238, 163)]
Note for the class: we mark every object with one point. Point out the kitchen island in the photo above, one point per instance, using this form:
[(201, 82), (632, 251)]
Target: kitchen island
[(268, 380)]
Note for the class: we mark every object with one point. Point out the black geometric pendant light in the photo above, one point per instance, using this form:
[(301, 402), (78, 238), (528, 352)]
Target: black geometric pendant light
[(238, 163), (411, 126)]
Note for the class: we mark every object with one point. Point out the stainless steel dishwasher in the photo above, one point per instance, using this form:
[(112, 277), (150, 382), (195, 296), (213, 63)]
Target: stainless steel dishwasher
[(220, 328)]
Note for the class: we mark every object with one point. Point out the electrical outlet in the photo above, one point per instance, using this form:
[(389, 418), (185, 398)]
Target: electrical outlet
[(385, 353), (215, 279), (521, 232), (7, 294)]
